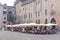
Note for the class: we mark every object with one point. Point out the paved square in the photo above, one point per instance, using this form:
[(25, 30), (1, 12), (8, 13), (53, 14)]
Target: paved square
[(7, 35)]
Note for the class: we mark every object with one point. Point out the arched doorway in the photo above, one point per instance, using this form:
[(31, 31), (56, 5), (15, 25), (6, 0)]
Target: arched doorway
[(53, 21)]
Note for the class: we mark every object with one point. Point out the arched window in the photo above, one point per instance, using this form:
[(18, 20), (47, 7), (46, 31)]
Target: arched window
[(9, 16), (53, 21)]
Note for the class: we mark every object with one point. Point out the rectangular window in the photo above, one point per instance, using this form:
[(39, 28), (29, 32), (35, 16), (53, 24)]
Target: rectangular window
[(4, 18), (4, 21), (37, 2), (4, 12), (30, 15), (38, 13), (25, 16), (45, 0), (46, 12)]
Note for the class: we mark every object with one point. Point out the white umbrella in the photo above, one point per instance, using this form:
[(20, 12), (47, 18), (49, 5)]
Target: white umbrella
[(8, 25), (51, 25)]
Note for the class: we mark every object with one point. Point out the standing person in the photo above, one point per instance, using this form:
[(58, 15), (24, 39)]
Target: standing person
[(38, 29), (2, 28), (23, 29)]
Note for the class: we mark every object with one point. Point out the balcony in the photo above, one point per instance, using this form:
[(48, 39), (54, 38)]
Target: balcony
[(53, 12)]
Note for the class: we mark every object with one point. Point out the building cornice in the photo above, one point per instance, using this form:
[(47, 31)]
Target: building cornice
[(27, 2), (24, 2)]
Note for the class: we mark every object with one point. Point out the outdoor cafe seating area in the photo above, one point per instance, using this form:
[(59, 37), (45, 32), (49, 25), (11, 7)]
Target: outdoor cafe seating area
[(33, 28)]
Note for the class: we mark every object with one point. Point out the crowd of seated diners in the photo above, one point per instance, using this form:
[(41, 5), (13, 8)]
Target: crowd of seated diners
[(35, 30)]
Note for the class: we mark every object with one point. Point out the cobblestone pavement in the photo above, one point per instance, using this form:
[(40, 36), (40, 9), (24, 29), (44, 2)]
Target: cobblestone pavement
[(7, 35)]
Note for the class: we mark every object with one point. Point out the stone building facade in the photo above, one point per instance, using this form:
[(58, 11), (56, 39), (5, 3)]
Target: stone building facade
[(6, 14), (38, 11)]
